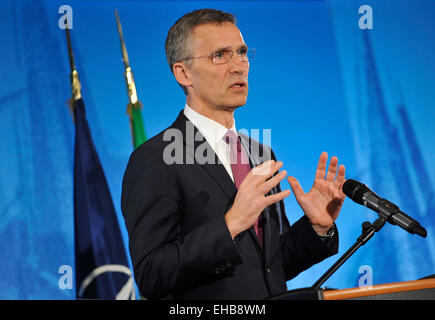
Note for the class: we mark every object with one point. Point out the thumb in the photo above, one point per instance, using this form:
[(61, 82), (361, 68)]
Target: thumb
[(296, 187)]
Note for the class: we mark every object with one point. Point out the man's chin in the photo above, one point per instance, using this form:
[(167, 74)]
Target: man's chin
[(237, 103), (232, 107)]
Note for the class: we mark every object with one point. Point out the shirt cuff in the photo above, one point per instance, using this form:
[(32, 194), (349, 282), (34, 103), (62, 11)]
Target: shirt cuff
[(328, 235)]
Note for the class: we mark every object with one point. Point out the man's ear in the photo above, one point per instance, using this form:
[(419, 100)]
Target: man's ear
[(182, 73)]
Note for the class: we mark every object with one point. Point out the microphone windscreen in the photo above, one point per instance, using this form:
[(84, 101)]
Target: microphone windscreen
[(355, 190), (421, 231)]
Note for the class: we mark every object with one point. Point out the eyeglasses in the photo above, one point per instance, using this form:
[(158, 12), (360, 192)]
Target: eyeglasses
[(225, 56)]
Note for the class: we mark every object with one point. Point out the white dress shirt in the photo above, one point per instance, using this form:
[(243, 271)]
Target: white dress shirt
[(213, 132)]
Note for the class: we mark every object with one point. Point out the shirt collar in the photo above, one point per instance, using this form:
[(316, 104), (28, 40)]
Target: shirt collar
[(212, 131)]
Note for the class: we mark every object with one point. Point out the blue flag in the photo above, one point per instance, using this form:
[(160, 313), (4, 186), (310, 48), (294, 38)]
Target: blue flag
[(102, 269)]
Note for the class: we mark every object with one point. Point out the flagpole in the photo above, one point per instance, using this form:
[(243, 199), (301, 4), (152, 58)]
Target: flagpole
[(98, 242), (134, 106)]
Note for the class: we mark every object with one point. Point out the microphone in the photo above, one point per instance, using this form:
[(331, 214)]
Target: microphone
[(361, 194)]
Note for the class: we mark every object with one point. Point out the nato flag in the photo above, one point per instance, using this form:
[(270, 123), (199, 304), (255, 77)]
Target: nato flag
[(101, 265)]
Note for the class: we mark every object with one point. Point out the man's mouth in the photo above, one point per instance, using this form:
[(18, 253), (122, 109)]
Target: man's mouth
[(238, 85)]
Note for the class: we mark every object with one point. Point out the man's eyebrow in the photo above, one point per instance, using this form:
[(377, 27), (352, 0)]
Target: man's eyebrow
[(243, 46)]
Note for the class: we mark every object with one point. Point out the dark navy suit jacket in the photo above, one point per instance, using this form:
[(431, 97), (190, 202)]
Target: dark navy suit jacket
[(179, 242)]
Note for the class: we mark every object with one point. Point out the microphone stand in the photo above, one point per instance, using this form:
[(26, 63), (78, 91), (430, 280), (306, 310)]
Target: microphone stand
[(314, 292), (368, 230)]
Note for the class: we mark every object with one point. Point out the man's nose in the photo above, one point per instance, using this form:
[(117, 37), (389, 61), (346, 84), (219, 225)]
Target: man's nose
[(237, 65)]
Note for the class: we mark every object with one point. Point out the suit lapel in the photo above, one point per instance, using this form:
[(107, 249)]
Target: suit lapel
[(196, 144)]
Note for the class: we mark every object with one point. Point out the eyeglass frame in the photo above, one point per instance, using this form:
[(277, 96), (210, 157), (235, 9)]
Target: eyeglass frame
[(211, 56)]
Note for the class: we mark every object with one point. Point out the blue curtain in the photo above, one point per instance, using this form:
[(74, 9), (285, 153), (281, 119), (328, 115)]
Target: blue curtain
[(318, 82)]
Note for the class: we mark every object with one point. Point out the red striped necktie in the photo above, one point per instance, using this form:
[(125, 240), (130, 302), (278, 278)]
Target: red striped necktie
[(240, 168)]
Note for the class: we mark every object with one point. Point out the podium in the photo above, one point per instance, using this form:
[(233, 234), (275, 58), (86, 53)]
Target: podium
[(406, 290), (423, 289)]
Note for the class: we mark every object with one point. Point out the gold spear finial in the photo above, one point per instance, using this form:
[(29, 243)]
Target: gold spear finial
[(129, 79), (76, 87)]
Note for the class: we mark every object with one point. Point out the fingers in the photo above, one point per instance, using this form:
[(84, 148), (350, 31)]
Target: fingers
[(340, 174), (331, 174), (340, 180), (264, 176), (274, 198), (332, 170), (296, 187), (265, 170), (321, 166), (273, 182)]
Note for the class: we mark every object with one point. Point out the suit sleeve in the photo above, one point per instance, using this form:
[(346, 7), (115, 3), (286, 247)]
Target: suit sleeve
[(301, 246), (163, 262)]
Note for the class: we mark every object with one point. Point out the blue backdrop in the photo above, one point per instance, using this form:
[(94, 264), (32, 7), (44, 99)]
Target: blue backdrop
[(318, 82)]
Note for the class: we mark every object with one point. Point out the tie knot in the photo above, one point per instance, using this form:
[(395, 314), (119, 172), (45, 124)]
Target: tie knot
[(230, 137)]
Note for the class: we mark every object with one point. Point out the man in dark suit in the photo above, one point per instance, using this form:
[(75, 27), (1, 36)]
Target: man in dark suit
[(202, 204)]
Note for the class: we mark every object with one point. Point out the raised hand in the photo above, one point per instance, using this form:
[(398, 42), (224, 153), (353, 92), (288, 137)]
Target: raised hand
[(323, 202), (250, 199)]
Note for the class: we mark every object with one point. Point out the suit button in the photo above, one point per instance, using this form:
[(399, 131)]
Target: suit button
[(217, 270), (267, 270), (223, 268), (228, 264)]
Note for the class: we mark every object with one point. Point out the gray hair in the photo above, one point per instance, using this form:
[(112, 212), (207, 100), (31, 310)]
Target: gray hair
[(178, 41)]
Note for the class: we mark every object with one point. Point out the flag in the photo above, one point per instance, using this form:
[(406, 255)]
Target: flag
[(136, 124), (102, 269)]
